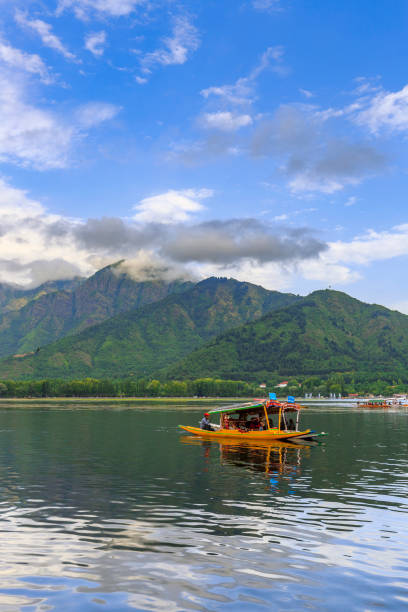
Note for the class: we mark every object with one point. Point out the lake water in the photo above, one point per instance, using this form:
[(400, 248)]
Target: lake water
[(107, 508)]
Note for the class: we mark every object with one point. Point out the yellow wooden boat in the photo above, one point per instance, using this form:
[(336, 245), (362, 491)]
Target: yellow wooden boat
[(254, 421)]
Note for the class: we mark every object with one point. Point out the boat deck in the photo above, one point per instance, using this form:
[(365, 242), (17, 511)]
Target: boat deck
[(268, 434)]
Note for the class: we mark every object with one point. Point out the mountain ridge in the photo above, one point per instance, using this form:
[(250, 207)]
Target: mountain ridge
[(57, 314), (143, 340), (327, 331)]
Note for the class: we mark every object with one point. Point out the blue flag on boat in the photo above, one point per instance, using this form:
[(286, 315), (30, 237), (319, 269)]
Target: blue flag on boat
[(291, 399), (272, 396)]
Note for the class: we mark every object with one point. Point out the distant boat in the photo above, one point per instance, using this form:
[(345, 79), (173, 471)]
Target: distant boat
[(374, 404), (255, 421), (383, 403)]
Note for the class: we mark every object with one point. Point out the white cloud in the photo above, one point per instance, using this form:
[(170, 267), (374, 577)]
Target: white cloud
[(340, 164), (372, 246), (269, 275), (308, 182), (36, 245), (306, 93), (27, 256), (15, 205), (31, 63), (176, 48), (330, 113), (39, 138), (242, 92), (294, 213), (267, 5), (385, 110), (283, 217), (94, 113), (225, 121), (171, 207), (374, 108), (341, 263), (44, 31), (148, 265), (30, 136), (115, 8), (350, 201), (365, 85), (95, 43), (309, 156), (328, 271)]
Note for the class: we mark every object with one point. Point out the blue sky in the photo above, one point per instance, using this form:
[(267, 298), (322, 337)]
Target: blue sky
[(260, 139)]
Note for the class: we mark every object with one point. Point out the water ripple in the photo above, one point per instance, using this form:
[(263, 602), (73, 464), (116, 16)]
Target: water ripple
[(133, 517)]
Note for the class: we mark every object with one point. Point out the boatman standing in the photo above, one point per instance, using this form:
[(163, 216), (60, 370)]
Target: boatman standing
[(205, 423)]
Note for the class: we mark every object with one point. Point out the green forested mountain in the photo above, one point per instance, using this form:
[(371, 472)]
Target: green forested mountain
[(328, 331), (15, 297), (143, 341), (220, 328), (36, 318)]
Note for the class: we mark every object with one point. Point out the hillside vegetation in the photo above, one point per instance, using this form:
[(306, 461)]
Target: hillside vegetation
[(14, 297), (143, 341), (218, 328), (328, 331), (47, 315)]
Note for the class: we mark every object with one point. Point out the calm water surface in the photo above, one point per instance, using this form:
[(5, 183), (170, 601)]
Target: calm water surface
[(116, 509)]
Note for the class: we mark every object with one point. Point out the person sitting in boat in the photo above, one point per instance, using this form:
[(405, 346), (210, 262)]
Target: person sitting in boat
[(254, 423), (225, 422), (205, 423), (291, 425)]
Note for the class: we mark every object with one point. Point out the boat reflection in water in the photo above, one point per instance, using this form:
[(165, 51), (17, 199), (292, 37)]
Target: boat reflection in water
[(275, 459)]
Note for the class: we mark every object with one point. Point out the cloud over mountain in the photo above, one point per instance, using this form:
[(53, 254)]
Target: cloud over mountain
[(37, 245), (228, 242)]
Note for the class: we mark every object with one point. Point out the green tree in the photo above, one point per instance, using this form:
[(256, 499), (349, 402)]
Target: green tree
[(154, 388)]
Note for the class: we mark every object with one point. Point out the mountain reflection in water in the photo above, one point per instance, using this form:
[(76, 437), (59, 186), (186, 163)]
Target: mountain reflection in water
[(115, 507)]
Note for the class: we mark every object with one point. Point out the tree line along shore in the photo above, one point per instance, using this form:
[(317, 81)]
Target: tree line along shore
[(362, 383)]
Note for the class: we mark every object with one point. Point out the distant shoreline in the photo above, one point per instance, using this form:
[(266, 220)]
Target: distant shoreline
[(198, 400)]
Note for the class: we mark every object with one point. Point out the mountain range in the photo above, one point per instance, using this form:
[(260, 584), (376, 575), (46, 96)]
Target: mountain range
[(147, 339), (327, 331), (112, 326), (33, 318)]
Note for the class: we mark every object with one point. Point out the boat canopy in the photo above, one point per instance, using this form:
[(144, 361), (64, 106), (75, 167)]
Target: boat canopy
[(272, 407)]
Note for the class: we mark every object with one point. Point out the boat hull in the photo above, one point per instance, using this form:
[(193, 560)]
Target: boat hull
[(271, 434)]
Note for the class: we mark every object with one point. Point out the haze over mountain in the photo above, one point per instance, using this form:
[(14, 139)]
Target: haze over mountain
[(37, 317), (144, 340)]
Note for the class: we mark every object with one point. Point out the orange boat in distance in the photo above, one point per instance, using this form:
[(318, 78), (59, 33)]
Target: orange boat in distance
[(264, 420), (374, 404)]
